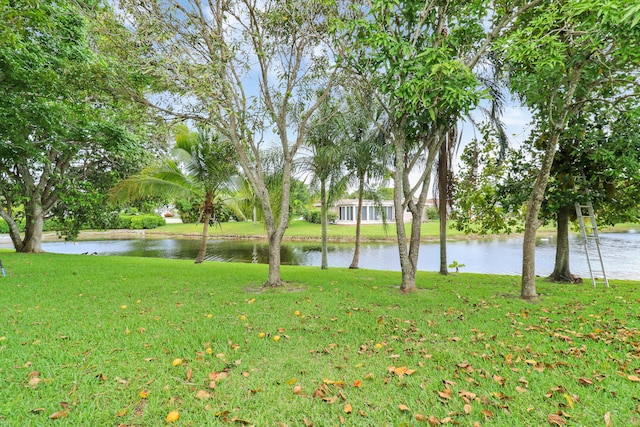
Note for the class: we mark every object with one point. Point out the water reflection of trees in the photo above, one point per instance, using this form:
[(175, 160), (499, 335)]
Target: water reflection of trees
[(252, 252)]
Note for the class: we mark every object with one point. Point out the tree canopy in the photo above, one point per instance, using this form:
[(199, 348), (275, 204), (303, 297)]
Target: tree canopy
[(64, 138)]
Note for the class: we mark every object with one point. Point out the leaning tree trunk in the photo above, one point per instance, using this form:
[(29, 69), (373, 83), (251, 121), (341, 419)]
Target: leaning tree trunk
[(562, 272), (443, 169), (208, 209), (528, 290), (14, 231), (323, 223), (356, 251)]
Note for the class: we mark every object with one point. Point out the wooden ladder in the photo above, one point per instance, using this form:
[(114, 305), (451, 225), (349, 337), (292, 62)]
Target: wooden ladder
[(589, 230)]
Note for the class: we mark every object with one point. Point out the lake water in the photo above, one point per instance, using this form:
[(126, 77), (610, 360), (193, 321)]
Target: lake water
[(621, 253)]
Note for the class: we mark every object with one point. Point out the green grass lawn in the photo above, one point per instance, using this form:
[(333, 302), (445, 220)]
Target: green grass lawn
[(303, 230), (93, 340)]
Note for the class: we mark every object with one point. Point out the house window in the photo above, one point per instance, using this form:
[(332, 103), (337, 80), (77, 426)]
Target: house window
[(346, 213), (364, 213), (389, 212)]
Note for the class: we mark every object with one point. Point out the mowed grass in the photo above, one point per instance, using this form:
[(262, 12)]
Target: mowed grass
[(92, 341), (299, 229)]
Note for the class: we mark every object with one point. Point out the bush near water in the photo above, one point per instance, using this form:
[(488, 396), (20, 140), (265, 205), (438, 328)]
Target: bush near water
[(131, 222)]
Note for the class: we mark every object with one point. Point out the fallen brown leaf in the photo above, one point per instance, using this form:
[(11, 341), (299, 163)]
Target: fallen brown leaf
[(608, 422), (447, 393), (433, 421), (498, 379), (347, 408), (556, 420), (58, 415), (467, 396), (202, 395), (331, 400)]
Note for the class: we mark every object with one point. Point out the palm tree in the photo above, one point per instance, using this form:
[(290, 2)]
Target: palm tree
[(366, 156), (200, 167), (326, 164)]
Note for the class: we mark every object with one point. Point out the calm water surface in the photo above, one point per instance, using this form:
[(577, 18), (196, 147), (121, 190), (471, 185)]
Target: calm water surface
[(621, 253)]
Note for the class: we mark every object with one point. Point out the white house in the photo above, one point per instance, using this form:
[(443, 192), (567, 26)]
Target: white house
[(346, 210)]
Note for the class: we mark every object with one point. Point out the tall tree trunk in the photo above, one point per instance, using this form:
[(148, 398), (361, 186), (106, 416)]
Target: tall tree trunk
[(561, 270), (323, 223), (528, 291), (408, 269), (275, 242), (443, 170), (276, 233), (356, 251), (208, 209), (401, 192)]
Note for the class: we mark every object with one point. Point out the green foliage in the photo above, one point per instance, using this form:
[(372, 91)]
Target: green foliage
[(489, 193), (190, 211), (196, 174), (134, 222), (432, 213), (4, 227), (456, 265), (300, 198), (139, 222), (65, 134), (409, 60), (314, 216)]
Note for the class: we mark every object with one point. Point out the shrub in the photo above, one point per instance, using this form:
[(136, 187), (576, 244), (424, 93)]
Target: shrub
[(188, 210), (4, 227), (432, 214), (139, 222), (314, 216)]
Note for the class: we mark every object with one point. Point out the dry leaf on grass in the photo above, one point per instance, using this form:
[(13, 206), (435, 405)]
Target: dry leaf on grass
[(556, 420)]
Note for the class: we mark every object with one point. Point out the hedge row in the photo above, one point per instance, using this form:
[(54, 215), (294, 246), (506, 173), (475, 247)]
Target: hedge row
[(139, 222), (132, 222)]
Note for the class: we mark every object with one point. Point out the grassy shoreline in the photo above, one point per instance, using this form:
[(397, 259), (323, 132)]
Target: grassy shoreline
[(304, 231), (101, 334)]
